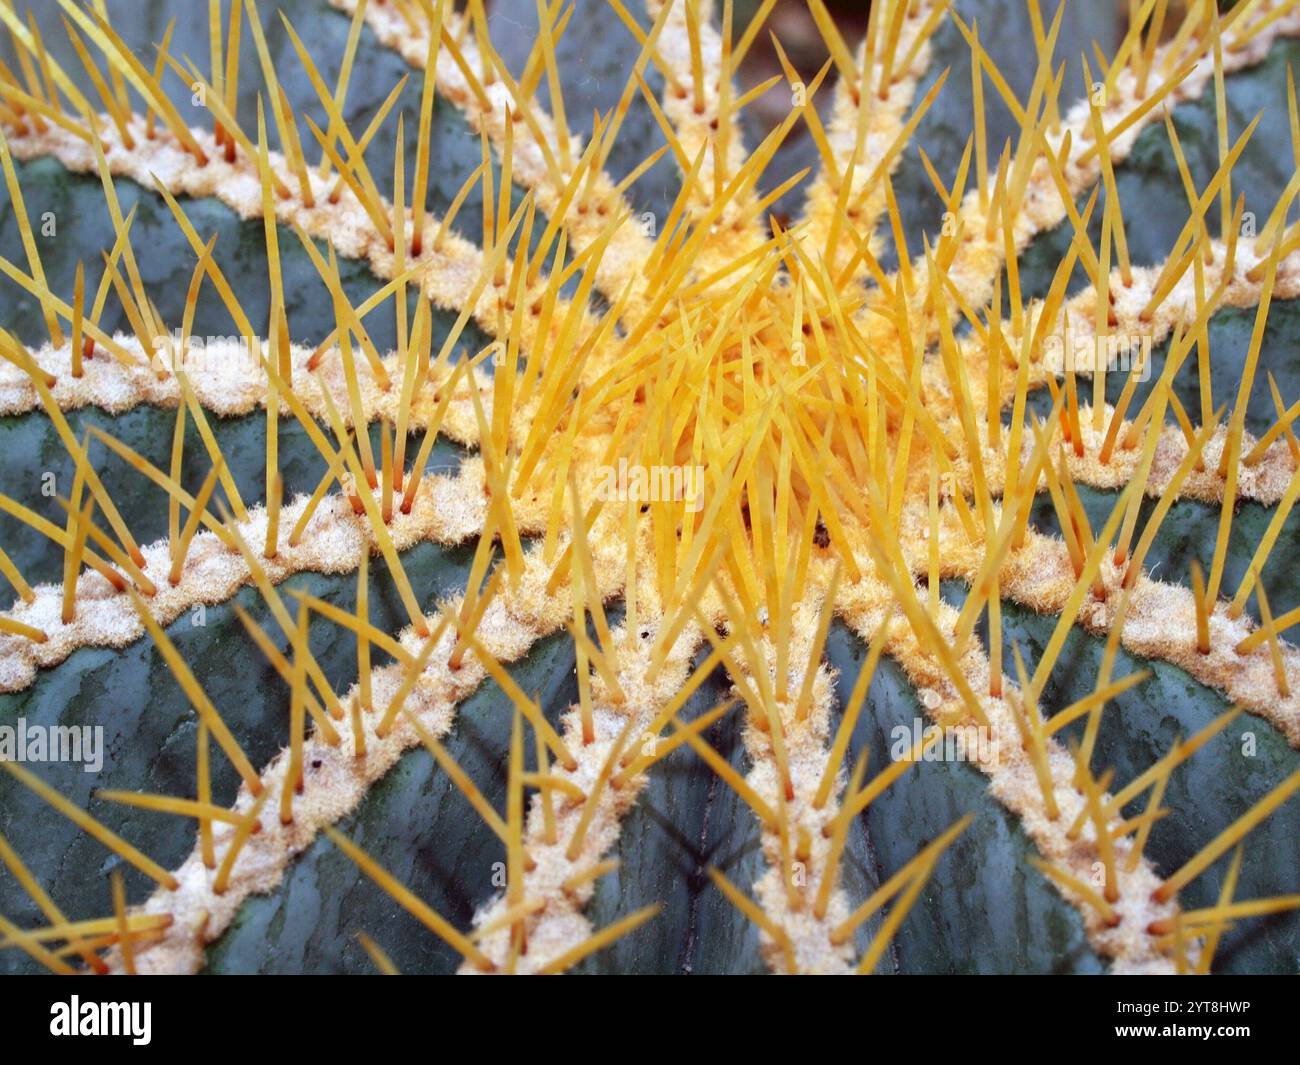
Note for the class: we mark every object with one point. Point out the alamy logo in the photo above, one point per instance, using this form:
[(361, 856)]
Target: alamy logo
[(132, 1019), (1088, 353), (231, 358), (21, 742), (652, 484), (930, 743)]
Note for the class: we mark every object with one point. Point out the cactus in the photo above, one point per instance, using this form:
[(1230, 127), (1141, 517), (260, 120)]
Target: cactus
[(472, 537)]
